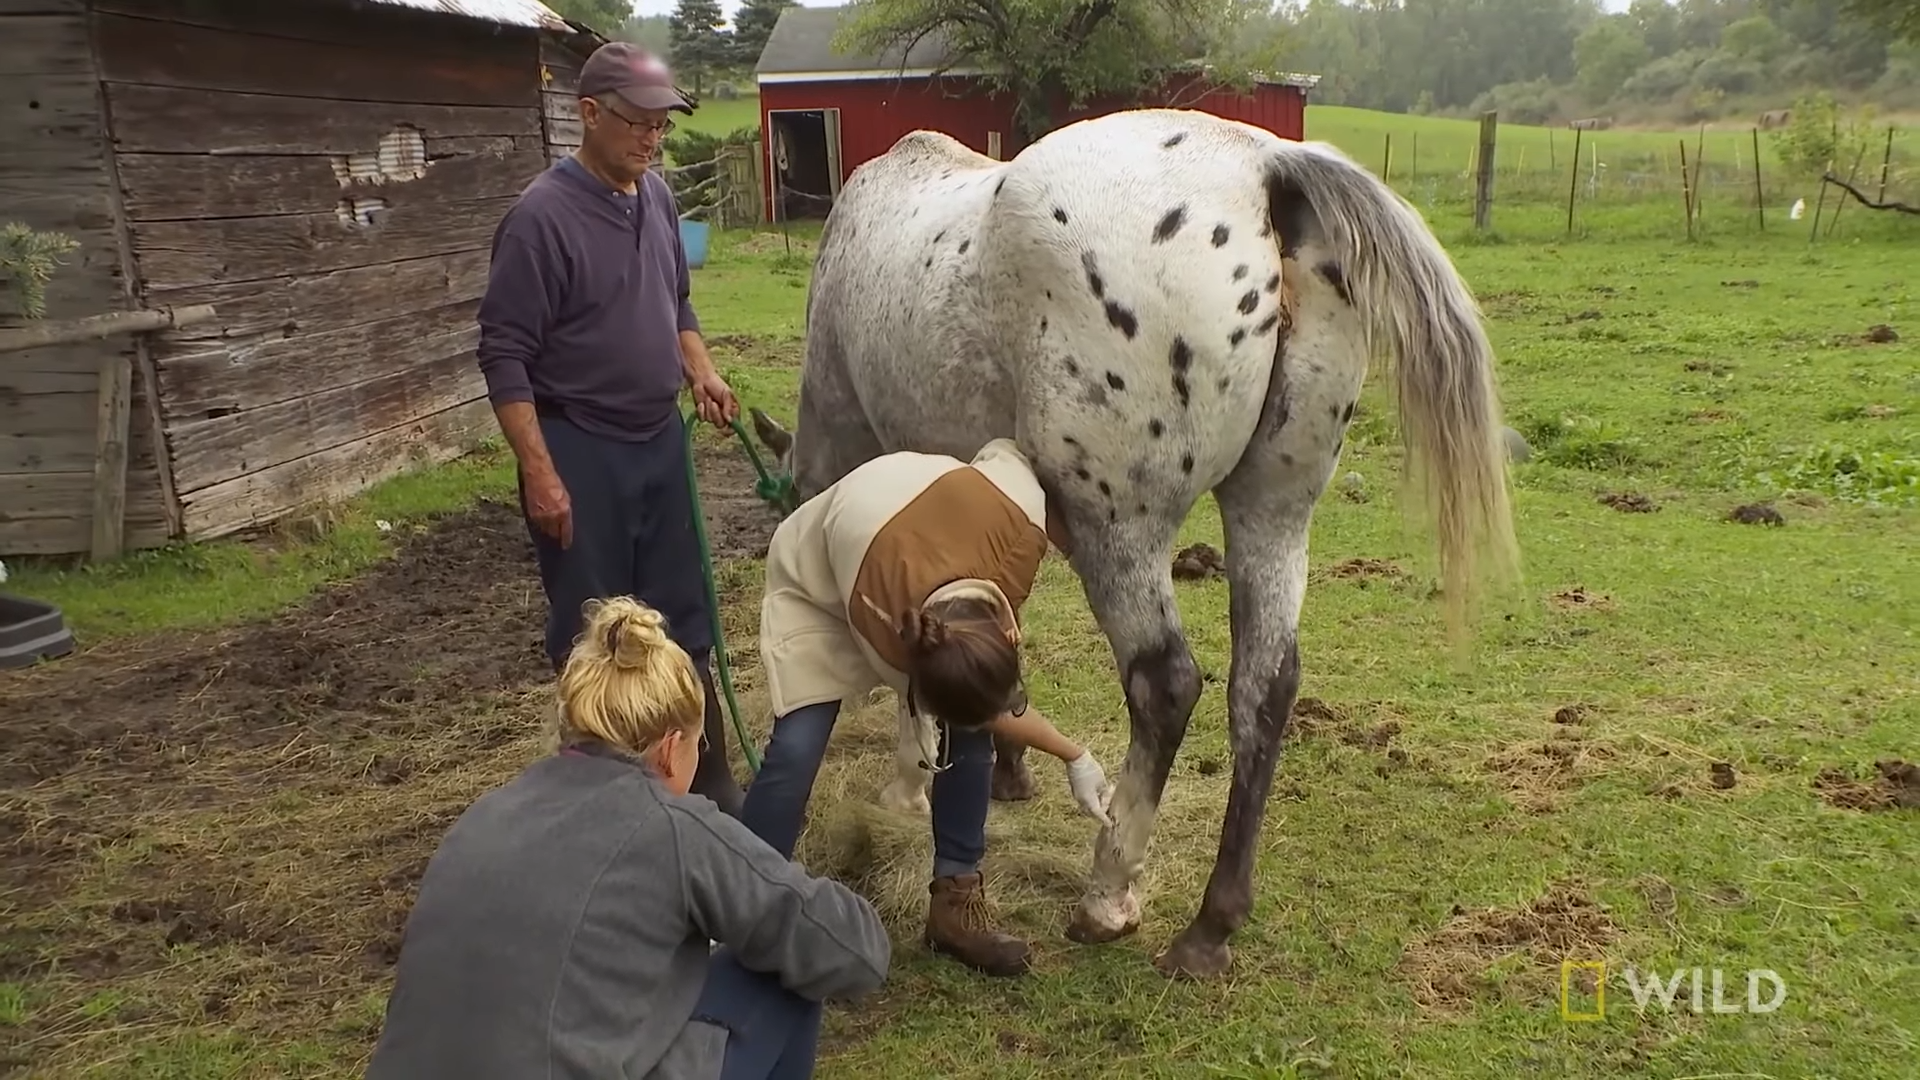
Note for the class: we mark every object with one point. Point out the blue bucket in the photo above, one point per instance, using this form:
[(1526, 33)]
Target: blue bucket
[(693, 237)]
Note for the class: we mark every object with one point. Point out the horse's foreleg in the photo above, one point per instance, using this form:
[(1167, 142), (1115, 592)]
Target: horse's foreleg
[(1130, 590)]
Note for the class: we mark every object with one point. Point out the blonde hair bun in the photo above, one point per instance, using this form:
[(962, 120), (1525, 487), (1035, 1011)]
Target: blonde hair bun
[(634, 633), (627, 682)]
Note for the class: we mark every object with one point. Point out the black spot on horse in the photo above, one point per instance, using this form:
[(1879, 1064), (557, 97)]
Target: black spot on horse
[(1156, 428), (1248, 302), (1335, 277), (1113, 515), (1173, 141), (1286, 459), (1180, 388), (1169, 224), (1094, 281), (1072, 368), (1224, 383), (1059, 215), (1106, 489), (1115, 381), (1043, 328), (1346, 417), (1267, 324), (1220, 235), (929, 263), (1239, 335), (964, 245), (998, 186), (1186, 463), (1094, 394), (1123, 319), (1082, 473), (1181, 355), (1240, 271), (1272, 282), (1333, 412), (939, 236)]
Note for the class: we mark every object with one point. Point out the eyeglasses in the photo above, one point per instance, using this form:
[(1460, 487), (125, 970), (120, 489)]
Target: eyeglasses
[(661, 127)]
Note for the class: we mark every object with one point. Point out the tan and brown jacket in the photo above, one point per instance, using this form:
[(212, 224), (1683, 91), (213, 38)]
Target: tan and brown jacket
[(897, 531)]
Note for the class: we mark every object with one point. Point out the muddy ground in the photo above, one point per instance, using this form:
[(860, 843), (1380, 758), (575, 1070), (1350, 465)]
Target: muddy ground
[(269, 793)]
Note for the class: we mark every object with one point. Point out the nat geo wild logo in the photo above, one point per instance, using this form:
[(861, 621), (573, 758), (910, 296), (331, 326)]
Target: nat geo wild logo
[(1584, 985)]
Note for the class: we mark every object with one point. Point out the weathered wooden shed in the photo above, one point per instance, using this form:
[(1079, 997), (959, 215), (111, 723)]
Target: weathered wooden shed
[(327, 174)]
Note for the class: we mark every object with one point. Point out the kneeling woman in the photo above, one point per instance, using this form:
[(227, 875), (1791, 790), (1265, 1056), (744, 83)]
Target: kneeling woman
[(567, 925), (910, 571)]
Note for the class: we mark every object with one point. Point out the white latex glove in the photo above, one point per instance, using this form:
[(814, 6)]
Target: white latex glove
[(1090, 787)]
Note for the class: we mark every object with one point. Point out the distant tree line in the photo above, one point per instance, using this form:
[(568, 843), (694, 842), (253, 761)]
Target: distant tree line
[(1552, 60), (695, 39)]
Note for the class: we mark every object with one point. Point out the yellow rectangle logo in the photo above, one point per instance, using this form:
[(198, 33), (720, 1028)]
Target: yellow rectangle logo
[(1599, 969)]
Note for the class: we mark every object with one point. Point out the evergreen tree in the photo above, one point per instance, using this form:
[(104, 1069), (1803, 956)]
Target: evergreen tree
[(699, 45), (753, 25)]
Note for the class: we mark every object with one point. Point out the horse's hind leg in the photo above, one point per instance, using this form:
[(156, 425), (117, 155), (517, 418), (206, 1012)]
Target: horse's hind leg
[(1266, 508), (1129, 587)]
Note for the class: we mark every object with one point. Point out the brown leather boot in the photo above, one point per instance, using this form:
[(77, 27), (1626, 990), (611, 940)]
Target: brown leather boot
[(959, 924)]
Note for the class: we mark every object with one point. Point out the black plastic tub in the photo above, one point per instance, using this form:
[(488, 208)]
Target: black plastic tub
[(31, 631)]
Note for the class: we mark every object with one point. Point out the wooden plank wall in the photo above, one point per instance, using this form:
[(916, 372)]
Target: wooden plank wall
[(53, 176), (249, 139), (559, 97)]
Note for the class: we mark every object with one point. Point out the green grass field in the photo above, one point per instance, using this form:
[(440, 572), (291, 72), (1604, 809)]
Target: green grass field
[(1660, 755)]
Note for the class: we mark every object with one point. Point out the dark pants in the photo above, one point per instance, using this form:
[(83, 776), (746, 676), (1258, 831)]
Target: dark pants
[(772, 1032), (633, 535), (776, 804)]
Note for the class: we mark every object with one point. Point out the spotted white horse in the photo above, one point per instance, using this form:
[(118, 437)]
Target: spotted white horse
[(1154, 304)]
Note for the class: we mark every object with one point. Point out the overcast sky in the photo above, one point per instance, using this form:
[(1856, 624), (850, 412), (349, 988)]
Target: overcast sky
[(663, 7)]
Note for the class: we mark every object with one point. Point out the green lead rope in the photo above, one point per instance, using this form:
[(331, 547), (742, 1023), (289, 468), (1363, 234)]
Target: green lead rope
[(776, 491)]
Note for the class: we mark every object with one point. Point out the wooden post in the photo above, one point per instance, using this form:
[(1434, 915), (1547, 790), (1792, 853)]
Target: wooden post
[(993, 145), (1759, 194), (1699, 160), (1686, 190), (1386, 160), (1820, 204), (1886, 162), (1483, 187), (1852, 175), (1573, 180), (1413, 159), (1553, 164)]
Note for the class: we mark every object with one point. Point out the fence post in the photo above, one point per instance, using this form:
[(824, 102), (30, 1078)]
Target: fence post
[(993, 145), (1759, 194), (1886, 162), (1573, 179), (1483, 186), (1686, 190)]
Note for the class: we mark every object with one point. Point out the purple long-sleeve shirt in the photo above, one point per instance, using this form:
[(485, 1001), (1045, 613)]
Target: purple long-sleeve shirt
[(586, 297)]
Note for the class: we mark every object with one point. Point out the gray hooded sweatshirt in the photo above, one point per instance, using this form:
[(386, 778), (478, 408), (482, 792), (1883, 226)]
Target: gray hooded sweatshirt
[(561, 932)]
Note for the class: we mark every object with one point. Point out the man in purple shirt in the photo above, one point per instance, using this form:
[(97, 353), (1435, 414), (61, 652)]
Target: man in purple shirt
[(586, 337)]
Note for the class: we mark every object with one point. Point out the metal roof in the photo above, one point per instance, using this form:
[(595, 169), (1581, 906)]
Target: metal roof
[(531, 13), (802, 40)]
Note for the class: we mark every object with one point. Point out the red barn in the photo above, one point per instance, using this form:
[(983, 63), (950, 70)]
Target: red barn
[(823, 112)]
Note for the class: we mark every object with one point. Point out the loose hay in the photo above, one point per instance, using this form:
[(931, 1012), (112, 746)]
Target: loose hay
[(1896, 785), (1448, 969), (1537, 775)]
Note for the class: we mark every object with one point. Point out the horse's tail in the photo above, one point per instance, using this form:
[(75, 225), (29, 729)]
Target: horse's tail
[(1413, 302)]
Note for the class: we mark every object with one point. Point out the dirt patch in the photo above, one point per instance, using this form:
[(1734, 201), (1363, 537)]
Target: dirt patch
[(1363, 570), (1629, 502), (1755, 514), (1538, 774), (228, 826), (1895, 784), (1579, 599), (1198, 562), (1448, 969), (740, 524), (1880, 334)]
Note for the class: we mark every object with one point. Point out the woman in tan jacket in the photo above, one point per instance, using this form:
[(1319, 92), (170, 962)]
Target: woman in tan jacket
[(910, 572)]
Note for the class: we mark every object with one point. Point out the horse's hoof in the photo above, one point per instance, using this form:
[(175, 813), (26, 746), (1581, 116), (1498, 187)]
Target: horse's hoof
[(1015, 784), (905, 798), (1190, 958), (1098, 921)]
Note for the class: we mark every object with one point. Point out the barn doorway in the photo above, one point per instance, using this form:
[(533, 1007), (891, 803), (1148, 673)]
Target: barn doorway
[(803, 160)]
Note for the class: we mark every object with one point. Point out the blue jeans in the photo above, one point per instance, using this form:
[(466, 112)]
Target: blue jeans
[(772, 1032), (776, 802)]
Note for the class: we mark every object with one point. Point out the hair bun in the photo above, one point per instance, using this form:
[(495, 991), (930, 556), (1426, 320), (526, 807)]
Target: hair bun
[(923, 631), (634, 633)]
